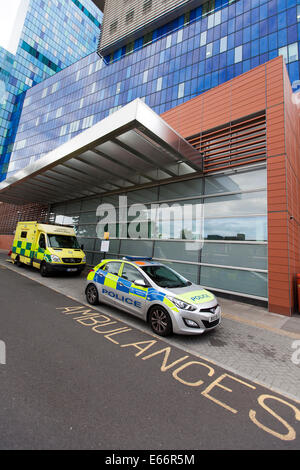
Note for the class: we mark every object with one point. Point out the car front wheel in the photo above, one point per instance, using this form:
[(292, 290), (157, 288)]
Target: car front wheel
[(160, 321), (92, 294)]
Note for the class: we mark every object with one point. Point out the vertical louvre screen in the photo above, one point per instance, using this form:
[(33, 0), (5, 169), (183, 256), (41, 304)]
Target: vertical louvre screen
[(237, 143)]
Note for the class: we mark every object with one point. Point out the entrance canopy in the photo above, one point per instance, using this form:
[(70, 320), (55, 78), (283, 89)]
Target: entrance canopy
[(131, 147)]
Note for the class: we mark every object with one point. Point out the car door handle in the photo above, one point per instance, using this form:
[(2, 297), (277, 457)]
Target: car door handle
[(121, 284)]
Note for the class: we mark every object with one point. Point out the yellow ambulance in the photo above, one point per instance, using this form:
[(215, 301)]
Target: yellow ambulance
[(50, 248)]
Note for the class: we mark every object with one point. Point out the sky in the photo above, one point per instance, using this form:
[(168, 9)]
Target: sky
[(10, 23)]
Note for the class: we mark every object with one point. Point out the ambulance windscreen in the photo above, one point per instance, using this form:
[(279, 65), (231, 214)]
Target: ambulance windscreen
[(63, 241)]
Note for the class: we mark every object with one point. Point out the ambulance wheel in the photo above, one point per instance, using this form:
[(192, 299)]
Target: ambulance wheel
[(92, 294), (160, 321), (44, 270), (18, 262)]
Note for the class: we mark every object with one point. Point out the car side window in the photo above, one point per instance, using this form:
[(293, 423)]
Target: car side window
[(42, 241), (112, 268), (130, 273)]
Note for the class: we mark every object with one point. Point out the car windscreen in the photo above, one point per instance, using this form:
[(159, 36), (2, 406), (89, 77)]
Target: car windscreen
[(165, 277), (63, 241)]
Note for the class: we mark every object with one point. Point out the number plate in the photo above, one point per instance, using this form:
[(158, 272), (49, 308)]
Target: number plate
[(72, 270), (213, 318)]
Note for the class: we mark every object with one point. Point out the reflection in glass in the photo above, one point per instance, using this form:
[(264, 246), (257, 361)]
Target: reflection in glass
[(247, 282), (236, 228)]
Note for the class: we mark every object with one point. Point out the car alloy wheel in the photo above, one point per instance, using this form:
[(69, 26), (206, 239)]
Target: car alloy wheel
[(160, 321), (92, 294)]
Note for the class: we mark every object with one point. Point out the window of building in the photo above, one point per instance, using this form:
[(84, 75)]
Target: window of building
[(159, 84), (180, 90), (87, 122), (129, 17), (59, 112), (74, 126), (169, 41), (147, 38), (145, 76), (289, 53), (113, 27), (293, 52), (238, 54), (147, 6), (63, 131), (209, 49), (223, 44), (203, 38), (179, 36), (118, 88), (208, 7)]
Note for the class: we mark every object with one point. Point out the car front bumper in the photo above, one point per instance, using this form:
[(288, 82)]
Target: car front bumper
[(204, 321)]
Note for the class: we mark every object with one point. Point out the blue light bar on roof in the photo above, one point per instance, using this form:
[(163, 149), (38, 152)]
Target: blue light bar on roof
[(137, 258)]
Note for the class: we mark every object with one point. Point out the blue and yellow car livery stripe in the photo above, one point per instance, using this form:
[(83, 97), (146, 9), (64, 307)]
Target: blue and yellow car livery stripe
[(126, 287)]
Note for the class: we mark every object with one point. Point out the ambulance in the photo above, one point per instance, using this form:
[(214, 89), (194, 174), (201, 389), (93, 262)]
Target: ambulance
[(49, 248)]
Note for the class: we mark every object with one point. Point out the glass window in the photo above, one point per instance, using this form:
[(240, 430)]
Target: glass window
[(293, 52), (163, 276), (238, 54), (188, 271), (159, 84), (236, 228), (42, 242), (236, 182), (63, 241), (184, 251), (112, 267), (203, 38), (181, 189), (235, 254), (180, 90), (236, 204), (134, 248), (130, 273), (234, 280), (209, 49), (179, 36), (284, 52), (223, 44)]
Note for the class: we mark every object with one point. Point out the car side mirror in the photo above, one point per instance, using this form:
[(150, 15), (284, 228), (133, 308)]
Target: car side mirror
[(140, 283)]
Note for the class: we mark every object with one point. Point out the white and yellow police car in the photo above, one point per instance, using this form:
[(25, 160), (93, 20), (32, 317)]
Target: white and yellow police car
[(155, 293)]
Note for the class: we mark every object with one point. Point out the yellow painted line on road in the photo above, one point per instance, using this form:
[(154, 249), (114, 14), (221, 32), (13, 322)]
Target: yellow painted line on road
[(257, 324)]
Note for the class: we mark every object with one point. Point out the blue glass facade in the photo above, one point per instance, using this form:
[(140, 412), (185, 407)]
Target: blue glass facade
[(199, 55), (56, 34)]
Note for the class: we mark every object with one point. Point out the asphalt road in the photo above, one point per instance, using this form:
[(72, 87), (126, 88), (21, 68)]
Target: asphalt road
[(71, 378)]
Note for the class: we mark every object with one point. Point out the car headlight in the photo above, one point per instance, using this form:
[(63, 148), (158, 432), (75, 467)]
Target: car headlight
[(55, 259), (83, 259), (182, 305)]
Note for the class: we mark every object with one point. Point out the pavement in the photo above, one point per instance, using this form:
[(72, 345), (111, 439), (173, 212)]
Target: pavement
[(258, 345)]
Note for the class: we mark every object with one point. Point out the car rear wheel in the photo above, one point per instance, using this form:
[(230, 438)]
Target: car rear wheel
[(160, 321), (92, 294)]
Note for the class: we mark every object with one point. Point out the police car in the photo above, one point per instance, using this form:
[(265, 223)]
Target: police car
[(155, 293)]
